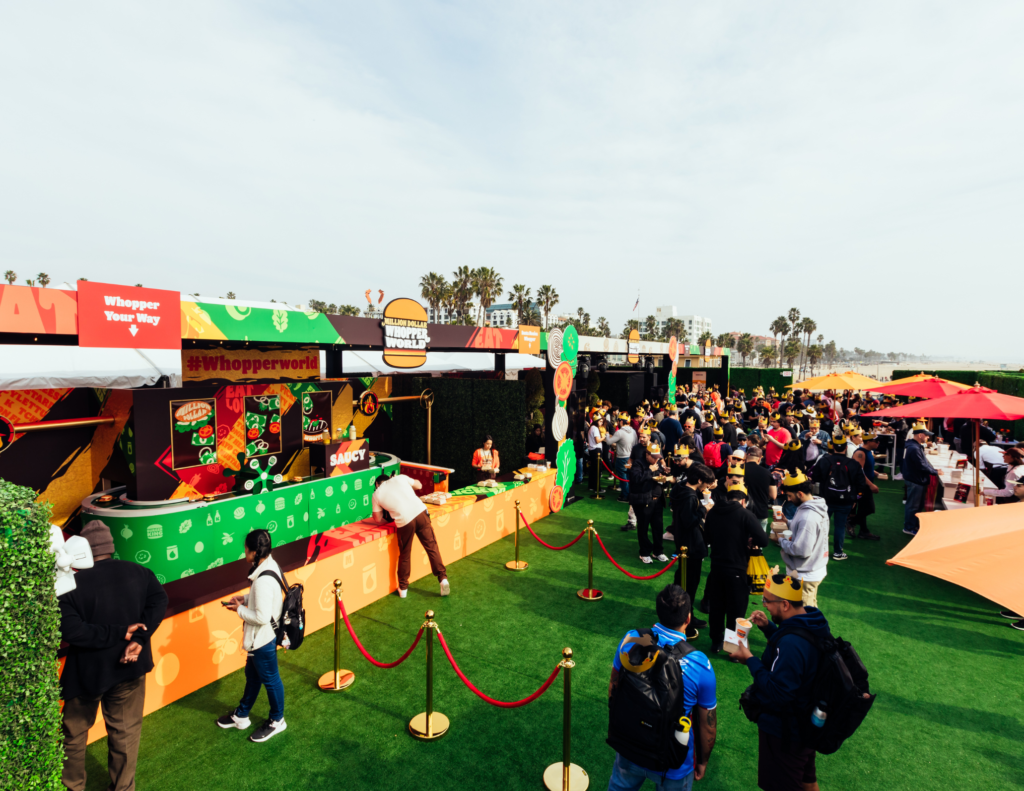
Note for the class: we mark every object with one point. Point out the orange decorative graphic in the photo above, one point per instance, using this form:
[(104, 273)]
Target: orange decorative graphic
[(563, 381)]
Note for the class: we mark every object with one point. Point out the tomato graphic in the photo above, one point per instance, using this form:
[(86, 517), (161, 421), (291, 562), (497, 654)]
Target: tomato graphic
[(206, 431), (253, 433), (275, 428)]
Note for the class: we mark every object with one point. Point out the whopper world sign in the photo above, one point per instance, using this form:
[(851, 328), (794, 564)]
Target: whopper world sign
[(128, 317)]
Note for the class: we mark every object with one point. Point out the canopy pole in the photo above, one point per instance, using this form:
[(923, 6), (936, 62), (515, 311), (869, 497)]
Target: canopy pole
[(977, 461)]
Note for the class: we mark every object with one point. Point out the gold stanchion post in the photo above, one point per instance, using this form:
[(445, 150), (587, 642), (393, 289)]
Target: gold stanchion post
[(589, 593), (565, 775), (682, 570), (517, 564), (336, 680), (430, 724), (597, 495)]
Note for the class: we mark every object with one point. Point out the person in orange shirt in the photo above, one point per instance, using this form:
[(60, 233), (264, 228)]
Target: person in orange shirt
[(485, 460)]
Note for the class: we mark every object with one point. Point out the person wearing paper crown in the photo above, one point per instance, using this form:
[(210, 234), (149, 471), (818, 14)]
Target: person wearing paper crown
[(793, 456), (805, 553), (841, 480), (646, 496), (730, 529), (783, 683)]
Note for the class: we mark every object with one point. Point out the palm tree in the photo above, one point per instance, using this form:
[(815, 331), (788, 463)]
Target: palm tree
[(675, 327), (791, 352), (745, 346), (487, 285), (779, 327), (462, 285), (520, 297), (44, 279), (602, 327), (531, 316), (348, 310), (449, 300), (230, 295), (725, 340), (705, 336), (30, 283), (650, 327), (807, 326), (548, 298), (814, 355), (431, 289), (767, 355), (10, 276), (631, 325)]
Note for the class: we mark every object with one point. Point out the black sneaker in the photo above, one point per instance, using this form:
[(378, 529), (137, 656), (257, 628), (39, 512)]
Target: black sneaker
[(229, 720), (716, 648), (867, 535), (1009, 614), (697, 623), (628, 526), (1018, 625), (268, 730), (840, 556)]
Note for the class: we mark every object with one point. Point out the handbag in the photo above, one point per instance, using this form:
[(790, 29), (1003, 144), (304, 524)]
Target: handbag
[(757, 571)]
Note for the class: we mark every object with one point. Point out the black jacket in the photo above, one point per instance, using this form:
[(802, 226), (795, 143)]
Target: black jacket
[(915, 467), (94, 618), (728, 528), (688, 521)]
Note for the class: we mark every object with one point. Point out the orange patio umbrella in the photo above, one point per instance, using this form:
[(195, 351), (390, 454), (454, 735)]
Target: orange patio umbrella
[(834, 381), (981, 549)]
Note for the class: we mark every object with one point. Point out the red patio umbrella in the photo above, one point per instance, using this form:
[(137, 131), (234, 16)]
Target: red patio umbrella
[(932, 387), (975, 403)]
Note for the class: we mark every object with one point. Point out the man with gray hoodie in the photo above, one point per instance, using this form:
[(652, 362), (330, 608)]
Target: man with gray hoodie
[(805, 553)]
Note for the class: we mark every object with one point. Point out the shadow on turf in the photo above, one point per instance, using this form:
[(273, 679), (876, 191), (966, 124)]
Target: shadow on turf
[(959, 717)]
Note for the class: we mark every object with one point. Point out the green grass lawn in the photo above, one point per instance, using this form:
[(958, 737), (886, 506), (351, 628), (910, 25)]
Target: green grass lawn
[(947, 671)]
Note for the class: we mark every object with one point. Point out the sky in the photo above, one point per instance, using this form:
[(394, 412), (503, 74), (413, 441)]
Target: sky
[(861, 162)]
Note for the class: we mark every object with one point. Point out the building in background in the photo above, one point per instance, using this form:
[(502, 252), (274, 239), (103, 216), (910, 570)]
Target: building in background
[(760, 341), (505, 315), (695, 325)]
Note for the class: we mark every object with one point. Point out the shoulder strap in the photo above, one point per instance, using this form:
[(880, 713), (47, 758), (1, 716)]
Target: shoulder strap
[(810, 637), (277, 577)]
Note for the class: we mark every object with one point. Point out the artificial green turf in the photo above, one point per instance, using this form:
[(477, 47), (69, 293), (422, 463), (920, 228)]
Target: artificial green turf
[(946, 668)]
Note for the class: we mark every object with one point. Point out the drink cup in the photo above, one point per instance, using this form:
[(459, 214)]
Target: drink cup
[(777, 511), (787, 534), (743, 627)]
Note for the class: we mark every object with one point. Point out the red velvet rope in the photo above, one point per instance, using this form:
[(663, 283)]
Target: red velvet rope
[(616, 477), (492, 701), (634, 576), (545, 543), (362, 650)]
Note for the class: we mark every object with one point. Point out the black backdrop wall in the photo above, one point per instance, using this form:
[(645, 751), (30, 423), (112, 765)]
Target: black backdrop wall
[(464, 411)]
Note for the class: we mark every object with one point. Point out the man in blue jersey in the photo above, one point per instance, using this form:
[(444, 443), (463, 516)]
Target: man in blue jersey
[(698, 702)]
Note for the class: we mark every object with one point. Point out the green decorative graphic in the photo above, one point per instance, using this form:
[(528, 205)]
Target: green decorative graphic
[(486, 491), (239, 323), (672, 386), (570, 347), (126, 441), (254, 476), (566, 463), (178, 542)]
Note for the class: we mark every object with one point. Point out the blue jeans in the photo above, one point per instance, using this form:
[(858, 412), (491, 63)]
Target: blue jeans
[(620, 470), (915, 502), (579, 470), (841, 513), (628, 776), (261, 670)]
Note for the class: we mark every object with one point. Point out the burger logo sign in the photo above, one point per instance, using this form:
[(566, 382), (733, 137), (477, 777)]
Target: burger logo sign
[(405, 333)]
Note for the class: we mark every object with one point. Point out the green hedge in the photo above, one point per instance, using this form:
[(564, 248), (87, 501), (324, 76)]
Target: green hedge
[(31, 753), (749, 378), (1008, 382)]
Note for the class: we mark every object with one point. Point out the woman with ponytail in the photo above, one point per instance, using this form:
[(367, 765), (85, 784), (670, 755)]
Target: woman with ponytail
[(259, 610)]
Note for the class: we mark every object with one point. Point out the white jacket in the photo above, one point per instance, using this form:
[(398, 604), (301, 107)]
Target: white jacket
[(806, 554), (263, 603)]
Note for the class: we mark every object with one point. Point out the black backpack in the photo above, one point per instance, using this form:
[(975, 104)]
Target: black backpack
[(837, 485), (841, 682), (291, 628), (646, 705)]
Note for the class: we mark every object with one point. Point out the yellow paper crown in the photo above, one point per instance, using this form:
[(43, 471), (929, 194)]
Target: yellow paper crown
[(788, 588), (654, 448), (776, 416), (794, 478), (738, 487), (646, 431), (683, 451), (921, 425), (794, 445), (870, 437), (762, 421), (719, 431), (689, 422), (737, 469)]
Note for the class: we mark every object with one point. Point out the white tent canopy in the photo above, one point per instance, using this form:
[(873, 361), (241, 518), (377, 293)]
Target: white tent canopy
[(437, 363), (43, 367)]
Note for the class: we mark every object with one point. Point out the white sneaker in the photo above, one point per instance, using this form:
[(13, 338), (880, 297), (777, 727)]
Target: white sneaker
[(445, 587), (402, 593), (662, 558), (898, 477), (268, 730), (645, 558)]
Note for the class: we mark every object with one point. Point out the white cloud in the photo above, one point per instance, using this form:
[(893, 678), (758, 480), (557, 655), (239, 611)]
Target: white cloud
[(862, 163)]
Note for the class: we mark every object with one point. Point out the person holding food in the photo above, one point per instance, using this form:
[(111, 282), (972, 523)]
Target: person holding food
[(485, 460)]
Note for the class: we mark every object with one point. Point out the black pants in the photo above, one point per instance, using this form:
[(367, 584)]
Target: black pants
[(861, 511), (649, 517), (728, 594), (594, 459)]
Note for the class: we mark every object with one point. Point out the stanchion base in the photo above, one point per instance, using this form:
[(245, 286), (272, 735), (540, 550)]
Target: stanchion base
[(578, 778), (596, 497), (418, 726), (590, 594), (345, 680), (517, 565)]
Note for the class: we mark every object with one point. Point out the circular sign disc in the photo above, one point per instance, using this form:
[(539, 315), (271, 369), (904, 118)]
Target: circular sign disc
[(555, 499), (563, 381), (369, 403), (570, 343)]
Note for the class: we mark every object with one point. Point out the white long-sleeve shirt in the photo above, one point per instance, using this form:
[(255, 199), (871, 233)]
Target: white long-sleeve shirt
[(263, 603)]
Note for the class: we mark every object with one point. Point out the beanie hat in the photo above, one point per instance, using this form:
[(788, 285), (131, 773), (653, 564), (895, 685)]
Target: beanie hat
[(99, 538)]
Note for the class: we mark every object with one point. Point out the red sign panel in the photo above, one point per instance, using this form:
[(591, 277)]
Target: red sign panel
[(126, 317)]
